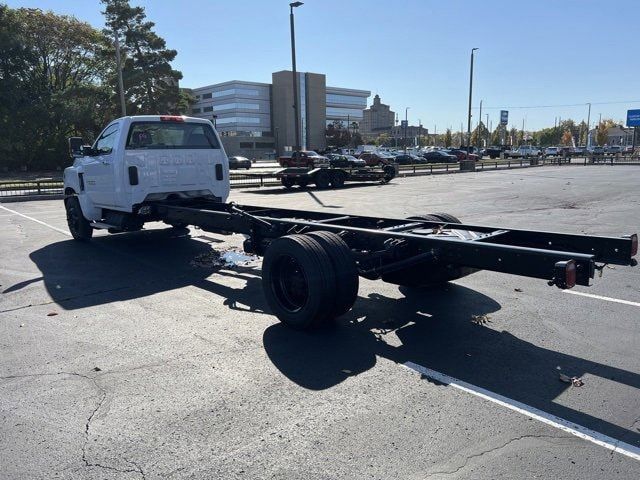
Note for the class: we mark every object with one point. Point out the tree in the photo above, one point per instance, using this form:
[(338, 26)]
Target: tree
[(53, 88), (150, 84), (480, 131), (496, 136), (567, 138), (447, 138), (603, 129)]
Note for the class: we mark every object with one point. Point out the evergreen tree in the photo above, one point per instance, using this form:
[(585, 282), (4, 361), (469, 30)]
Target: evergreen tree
[(150, 84), (447, 138)]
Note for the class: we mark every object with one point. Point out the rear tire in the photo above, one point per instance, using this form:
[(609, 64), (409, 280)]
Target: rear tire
[(298, 282), (78, 225), (287, 182), (344, 267), (322, 180), (446, 217), (338, 179)]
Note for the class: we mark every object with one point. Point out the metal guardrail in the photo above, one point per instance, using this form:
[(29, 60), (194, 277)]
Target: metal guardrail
[(51, 186)]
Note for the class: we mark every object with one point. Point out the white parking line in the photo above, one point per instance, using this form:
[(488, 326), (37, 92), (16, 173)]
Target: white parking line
[(64, 232), (531, 412), (600, 297)]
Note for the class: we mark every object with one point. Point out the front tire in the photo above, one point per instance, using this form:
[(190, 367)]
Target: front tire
[(78, 225)]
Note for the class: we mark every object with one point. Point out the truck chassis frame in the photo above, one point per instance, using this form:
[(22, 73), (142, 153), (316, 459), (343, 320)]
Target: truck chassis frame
[(417, 251)]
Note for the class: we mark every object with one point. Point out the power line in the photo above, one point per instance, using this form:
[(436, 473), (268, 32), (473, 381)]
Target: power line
[(561, 105)]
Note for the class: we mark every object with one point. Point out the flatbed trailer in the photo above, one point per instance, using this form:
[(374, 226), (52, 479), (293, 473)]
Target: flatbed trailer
[(313, 260), (334, 177)]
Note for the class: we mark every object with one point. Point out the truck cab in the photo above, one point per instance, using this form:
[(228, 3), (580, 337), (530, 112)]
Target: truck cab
[(145, 158), (303, 158)]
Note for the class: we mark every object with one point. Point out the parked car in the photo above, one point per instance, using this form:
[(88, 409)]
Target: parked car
[(613, 149), (495, 151), (345, 161), (596, 150), (303, 158), (462, 154), (578, 151), (552, 152), (628, 150), (524, 151), (375, 159), (408, 159), (239, 162), (439, 156)]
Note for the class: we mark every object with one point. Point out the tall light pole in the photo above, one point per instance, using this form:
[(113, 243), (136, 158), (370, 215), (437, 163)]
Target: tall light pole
[(479, 122), (588, 122), (488, 131), (406, 125), (296, 113), (123, 105), (470, 97)]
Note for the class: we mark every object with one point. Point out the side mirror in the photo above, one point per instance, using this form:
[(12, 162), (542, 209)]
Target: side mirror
[(87, 151), (75, 147)]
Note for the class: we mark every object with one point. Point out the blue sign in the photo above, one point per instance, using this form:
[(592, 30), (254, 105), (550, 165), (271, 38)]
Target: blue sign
[(504, 117), (633, 118)]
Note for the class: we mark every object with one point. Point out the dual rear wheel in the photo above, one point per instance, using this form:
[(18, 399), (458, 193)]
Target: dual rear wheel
[(309, 280)]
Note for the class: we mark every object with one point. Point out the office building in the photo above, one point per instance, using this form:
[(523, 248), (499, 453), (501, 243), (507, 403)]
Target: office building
[(257, 120), (378, 118)]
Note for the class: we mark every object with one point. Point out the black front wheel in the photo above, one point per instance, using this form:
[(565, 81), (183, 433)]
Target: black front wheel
[(287, 182), (78, 225)]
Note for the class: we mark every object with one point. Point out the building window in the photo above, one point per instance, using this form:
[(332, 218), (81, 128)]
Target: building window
[(237, 91), (344, 112), (206, 95), (196, 110), (232, 106), (207, 109), (246, 144), (346, 100), (225, 120), (265, 145)]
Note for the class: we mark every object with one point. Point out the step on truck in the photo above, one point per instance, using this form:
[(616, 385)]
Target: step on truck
[(174, 169)]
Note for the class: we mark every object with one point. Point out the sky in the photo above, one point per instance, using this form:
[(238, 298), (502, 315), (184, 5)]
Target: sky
[(414, 53)]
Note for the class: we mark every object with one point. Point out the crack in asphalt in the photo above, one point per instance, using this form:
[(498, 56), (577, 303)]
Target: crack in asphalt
[(87, 425), (490, 450)]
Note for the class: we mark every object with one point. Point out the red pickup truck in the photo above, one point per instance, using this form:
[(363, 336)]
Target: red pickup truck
[(303, 158)]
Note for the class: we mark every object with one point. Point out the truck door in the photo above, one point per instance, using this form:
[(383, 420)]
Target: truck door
[(100, 169)]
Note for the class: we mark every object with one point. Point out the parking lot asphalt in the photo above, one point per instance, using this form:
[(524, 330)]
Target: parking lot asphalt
[(132, 357)]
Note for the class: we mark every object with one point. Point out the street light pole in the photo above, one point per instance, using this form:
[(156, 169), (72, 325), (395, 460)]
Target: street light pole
[(406, 125), (588, 122), (123, 105), (470, 97), (294, 76), (479, 122)]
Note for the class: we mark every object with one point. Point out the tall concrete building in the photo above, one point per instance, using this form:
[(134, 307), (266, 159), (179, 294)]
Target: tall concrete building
[(378, 118), (257, 119)]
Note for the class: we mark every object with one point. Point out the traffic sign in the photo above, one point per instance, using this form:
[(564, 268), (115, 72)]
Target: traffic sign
[(633, 118), (404, 124), (504, 117)]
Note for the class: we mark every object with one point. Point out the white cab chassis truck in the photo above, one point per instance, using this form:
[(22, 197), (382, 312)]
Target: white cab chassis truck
[(173, 169)]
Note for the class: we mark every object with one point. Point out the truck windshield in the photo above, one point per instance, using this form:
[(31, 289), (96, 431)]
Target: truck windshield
[(161, 135)]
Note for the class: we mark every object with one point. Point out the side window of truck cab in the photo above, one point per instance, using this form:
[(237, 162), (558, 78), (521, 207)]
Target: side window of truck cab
[(107, 140)]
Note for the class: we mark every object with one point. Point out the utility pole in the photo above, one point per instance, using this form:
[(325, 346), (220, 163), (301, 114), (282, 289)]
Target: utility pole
[(294, 75), (588, 122), (470, 97), (406, 125), (123, 105), (488, 131), (479, 122)]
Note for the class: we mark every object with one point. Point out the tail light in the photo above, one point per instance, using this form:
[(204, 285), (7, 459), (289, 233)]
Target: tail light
[(171, 118), (565, 274)]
